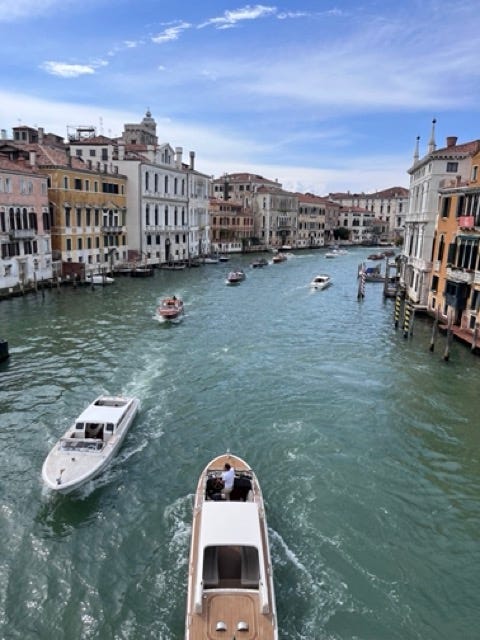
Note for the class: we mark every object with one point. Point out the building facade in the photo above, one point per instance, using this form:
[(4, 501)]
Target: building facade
[(25, 240), (439, 168)]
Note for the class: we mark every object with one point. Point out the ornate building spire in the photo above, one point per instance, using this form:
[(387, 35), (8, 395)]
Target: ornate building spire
[(416, 153), (431, 143)]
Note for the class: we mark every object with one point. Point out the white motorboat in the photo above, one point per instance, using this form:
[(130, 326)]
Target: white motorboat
[(170, 308), (99, 278), (235, 277), (89, 445), (322, 281), (230, 579)]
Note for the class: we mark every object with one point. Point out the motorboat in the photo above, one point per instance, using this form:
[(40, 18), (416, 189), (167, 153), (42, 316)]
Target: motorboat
[(322, 281), (279, 257), (210, 260), (235, 277), (230, 578), (99, 278), (376, 256), (89, 445), (170, 308), (142, 271), (261, 262), (223, 258), (332, 254)]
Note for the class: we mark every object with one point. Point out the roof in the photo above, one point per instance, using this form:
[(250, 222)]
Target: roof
[(95, 413), (230, 523)]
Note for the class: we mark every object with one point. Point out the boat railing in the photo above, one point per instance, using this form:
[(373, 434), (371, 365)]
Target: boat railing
[(81, 444)]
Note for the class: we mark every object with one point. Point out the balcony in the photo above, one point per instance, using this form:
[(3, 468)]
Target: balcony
[(466, 222), (112, 229), (460, 275), (22, 234)]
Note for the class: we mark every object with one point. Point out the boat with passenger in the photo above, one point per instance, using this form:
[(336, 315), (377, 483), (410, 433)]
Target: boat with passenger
[(322, 281), (235, 277), (230, 577), (170, 308), (89, 445)]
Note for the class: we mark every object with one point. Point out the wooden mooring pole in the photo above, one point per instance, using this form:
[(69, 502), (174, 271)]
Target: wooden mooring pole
[(434, 330), (446, 354)]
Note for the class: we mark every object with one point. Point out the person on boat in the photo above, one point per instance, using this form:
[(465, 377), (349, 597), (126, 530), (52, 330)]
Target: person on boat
[(228, 477)]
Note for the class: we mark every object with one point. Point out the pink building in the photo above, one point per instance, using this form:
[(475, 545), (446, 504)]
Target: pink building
[(25, 242)]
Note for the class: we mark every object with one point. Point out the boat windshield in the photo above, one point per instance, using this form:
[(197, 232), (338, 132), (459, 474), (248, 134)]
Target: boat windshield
[(76, 444)]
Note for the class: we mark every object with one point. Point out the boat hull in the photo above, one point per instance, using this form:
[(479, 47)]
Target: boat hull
[(230, 582), (73, 462)]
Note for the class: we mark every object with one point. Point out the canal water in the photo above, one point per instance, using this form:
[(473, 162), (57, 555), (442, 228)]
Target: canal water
[(366, 445)]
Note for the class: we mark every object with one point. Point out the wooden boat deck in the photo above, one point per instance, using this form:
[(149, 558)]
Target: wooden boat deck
[(239, 606)]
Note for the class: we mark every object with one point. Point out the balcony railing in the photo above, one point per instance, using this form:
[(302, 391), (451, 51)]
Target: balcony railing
[(22, 234), (460, 275), (112, 229)]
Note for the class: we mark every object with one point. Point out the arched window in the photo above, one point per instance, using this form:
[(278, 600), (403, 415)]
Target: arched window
[(147, 214), (147, 180), (166, 215), (166, 184)]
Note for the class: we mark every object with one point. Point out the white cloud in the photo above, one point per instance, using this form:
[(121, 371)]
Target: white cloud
[(171, 33), (230, 18), (20, 9), (65, 70)]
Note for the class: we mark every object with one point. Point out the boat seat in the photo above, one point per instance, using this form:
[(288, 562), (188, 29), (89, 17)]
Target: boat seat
[(250, 569), (210, 567)]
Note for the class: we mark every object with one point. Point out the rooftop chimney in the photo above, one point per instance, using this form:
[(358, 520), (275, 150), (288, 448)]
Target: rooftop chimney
[(178, 156), (192, 160), (32, 158), (451, 141)]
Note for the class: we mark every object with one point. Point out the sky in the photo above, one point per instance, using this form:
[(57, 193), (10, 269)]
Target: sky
[(322, 95)]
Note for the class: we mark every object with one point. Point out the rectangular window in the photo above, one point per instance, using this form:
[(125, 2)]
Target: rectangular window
[(92, 153), (445, 207), (452, 167)]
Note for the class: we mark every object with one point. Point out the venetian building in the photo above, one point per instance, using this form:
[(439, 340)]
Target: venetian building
[(25, 240), (447, 166), (167, 199), (231, 226), (311, 221), (389, 207), (87, 206), (454, 295)]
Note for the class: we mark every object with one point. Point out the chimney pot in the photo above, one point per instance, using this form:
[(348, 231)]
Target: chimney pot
[(451, 141)]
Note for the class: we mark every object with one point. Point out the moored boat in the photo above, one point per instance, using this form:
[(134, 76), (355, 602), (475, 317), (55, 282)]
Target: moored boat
[(230, 580), (99, 278), (170, 308), (322, 281), (89, 445)]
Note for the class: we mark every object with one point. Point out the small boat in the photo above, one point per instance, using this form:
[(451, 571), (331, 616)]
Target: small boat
[(376, 256), (322, 281), (279, 257), (144, 271), (230, 580), (99, 278), (170, 308), (261, 262), (332, 254), (175, 266), (370, 273), (235, 277), (223, 258), (286, 247), (210, 260), (89, 445)]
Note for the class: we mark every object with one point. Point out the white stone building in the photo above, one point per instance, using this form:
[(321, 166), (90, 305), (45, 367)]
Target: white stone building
[(439, 168)]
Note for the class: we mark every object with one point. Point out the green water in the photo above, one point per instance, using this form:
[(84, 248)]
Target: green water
[(366, 446)]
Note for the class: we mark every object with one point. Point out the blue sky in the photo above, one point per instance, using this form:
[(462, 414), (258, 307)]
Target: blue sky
[(325, 96)]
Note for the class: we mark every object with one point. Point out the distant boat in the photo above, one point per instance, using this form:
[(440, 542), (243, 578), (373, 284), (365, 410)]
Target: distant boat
[(223, 258), (261, 262), (279, 257), (99, 278), (210, 260), (170, 308), (235, 277), (143, 271), (230, 575), (321, 281), (89, 445)]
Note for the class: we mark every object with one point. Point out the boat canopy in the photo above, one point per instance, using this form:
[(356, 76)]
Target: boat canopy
[(230, 523)]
